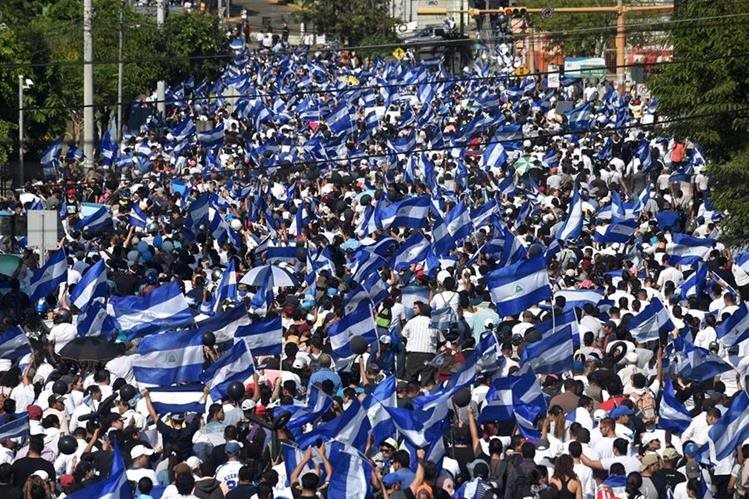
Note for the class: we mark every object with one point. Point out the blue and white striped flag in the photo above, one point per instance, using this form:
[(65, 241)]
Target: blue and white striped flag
[(573, 224), (48, 278), (176, 399), (578, 118), (164, 308), (494, 156), (651, 322), (116, 486), (553, 354), (224, 325), (92, 286), (351, 473), (358, 322), (107, 149), (262, 337), (410, 212), (686, 250), (520, 286), (95, 321), (226, 289), (213, 137), (579, 297), (236, 364), (99, 220), (169, 358), (318, 403), (458, 222), (695, 283), (413, 250), (735, 329), (138, 217), (481, 215), (14, 343), (695, 363), (732, 428), (18, 427), (673, 416), (618, 231)]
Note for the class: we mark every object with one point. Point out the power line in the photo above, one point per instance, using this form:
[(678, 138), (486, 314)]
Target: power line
[(377, 86), (652, 27)]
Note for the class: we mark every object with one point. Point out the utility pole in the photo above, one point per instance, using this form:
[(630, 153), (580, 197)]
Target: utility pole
[(88, 85), (120, 73), (619, 9), (161, 85), (20, 130)]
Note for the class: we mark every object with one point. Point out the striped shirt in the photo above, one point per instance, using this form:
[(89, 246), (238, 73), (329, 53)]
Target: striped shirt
[(421, 338)]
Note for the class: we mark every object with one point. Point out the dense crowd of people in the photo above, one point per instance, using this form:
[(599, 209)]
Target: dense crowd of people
[(393, 197)]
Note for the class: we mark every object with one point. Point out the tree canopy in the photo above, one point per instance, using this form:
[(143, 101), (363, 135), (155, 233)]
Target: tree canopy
[(50, 35), (710, 83), (351, 20)]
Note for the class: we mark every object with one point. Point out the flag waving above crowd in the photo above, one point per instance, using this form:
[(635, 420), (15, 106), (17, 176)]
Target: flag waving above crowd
[(328, 276)]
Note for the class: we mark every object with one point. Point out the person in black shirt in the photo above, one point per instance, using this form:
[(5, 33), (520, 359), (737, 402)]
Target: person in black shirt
[(244, 488), (7, 489), (26, 466), (176, 430)]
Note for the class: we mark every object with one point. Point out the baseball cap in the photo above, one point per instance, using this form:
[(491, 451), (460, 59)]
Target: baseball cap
[(140, 450), (488, 323), (34, 411), (233, 447), (391, 479), (41, 474), (385, 339), (692, 470), (247, 405), (670, 454), (649, 459), (177, 416), (193, 462), (390, 442), (620, 411), (66, 480)]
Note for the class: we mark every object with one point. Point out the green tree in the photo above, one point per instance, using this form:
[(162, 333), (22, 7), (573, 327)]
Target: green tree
[(712, 83), (351, 20)]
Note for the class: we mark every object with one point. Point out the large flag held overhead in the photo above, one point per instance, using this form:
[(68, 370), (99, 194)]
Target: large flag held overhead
[(164, 308), (732, 428), (735, 329), (226, 289), (520, 286), (553, 354), (92, 286), (236, 364), (168, 358), (262, 337), (673, 416), (652, 321), (573, 223), (14, 343), (46, 279), (116, 486), (358, 322)]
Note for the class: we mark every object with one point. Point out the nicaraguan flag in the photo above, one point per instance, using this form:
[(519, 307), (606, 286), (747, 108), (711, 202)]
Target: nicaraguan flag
[(351, 472), (358, 322), (262, 337), (213, 137), (673, 416), (732, 428), (578, 118), (686, 250), (236, 364), (165, 307), (695, 363), (318, 403), (482, 215), (618, 231), (519, 286), (48, 278), (169, 358), (224, 325), (651, 322), (410, 212), (114, 487), (579, 297), (107, 149), (18, 427), (226, 289), (735, 329), (413, 250), (138, 217), (184, 130), (99, 220), (14, 343), (458, 222), (494, 156), (92, 286), (95, 321), (553, 354), (175, 399), (573, 224), (695, 283)]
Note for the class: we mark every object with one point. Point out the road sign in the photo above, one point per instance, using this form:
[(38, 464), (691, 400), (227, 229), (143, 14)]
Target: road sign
[(521, 71), (42, 231), (399, 53), (552, 79), (547, 12)]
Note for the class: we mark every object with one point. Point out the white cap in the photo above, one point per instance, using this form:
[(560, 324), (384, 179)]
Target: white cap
[(140, 450), (247, 405), (193, 462)]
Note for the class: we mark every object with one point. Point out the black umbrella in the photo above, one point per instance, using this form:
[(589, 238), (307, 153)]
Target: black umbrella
[(92, 349)]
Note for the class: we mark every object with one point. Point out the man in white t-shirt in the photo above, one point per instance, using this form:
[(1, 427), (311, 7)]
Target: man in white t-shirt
[(140, 455), (228, 473)]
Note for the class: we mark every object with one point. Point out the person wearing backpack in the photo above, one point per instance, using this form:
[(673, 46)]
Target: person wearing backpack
[(644, 400), (520, 474)]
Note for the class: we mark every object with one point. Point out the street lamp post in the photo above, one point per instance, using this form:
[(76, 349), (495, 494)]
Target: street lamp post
[(20, 128)]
